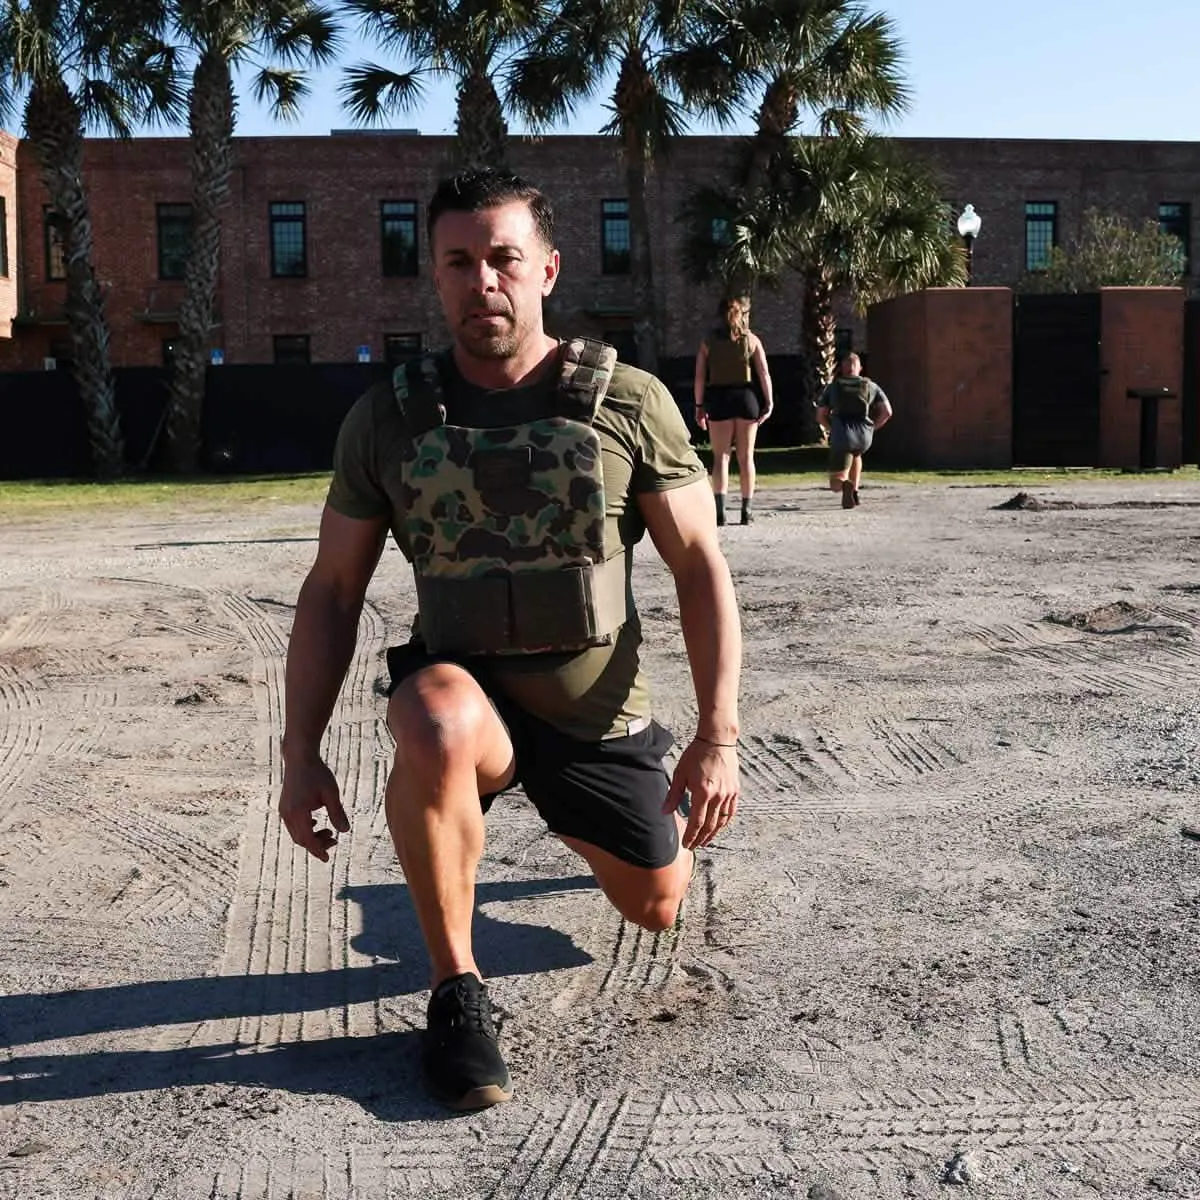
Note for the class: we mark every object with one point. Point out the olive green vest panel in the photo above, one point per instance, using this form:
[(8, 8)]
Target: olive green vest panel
[(507, 525), (852, 397), (728, 360)]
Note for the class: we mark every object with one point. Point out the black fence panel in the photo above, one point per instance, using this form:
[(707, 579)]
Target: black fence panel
[(1191, 382), (1056, 381)]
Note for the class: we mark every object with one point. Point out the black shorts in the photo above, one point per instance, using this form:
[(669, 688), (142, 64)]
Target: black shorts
[(607, 793), (847, 439), (731, 403)]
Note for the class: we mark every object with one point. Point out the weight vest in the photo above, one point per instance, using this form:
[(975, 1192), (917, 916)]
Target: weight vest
[(506, 526), (852, 401), (728, 360)]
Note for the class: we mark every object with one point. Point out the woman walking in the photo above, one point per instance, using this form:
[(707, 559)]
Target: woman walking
[(726, 403)]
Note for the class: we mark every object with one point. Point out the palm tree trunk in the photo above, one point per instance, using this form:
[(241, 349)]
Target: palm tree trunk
[(55, 126), (818, 342), (634, 85), (481, 132), (210, 122), (641, 269)]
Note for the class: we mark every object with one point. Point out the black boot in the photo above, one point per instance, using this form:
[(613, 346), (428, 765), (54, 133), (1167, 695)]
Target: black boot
[(747, 515), (719, 497)]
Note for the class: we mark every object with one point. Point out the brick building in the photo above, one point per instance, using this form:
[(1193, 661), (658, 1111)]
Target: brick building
[(324, 246)]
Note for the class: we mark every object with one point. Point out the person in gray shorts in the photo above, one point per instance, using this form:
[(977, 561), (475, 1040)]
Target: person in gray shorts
[(850, 409)]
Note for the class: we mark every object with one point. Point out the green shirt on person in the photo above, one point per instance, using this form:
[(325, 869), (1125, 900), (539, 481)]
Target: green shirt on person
[(589, 694)]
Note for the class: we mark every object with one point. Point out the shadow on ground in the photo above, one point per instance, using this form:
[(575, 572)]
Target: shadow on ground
[(378, 1072)]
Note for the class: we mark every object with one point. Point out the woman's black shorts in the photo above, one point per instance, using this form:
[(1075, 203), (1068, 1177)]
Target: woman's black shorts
[(731, 403)]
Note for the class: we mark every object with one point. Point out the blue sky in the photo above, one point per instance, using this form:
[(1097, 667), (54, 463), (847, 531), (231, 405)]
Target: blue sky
[(1023, 68)]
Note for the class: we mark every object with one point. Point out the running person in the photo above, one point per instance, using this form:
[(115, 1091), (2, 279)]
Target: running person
[(516, 473), (850, 409), (726, 404)]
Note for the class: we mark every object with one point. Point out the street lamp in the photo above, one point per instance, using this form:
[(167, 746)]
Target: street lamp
[(969, 222)]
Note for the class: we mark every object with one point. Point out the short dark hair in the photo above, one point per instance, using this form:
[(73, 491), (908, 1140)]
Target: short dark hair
[(486, 187)]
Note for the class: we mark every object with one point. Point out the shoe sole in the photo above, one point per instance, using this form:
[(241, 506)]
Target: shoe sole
[(476, 1098)]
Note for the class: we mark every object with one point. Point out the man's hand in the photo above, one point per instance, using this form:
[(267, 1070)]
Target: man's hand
[(709, 775), (309, 786), (767, 409)]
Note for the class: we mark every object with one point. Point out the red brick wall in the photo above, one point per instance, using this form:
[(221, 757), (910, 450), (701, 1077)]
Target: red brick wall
[(8, 234), (1141, 342), (944, 358), (344, 300)]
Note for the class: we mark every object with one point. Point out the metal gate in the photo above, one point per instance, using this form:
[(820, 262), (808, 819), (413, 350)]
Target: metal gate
[(1191, 381), (1056, 381)]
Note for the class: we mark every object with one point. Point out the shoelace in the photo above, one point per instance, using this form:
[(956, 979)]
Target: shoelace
[(473, 1009)]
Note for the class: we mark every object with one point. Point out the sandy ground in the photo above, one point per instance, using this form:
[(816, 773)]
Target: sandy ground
[(952, 945)]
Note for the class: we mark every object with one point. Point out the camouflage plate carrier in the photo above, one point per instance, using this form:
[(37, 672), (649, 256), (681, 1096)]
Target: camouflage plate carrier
[(852, 401), (506, 526)]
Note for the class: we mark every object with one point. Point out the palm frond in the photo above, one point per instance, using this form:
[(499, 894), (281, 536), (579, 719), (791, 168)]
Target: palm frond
[(281, 90), (372, 93)]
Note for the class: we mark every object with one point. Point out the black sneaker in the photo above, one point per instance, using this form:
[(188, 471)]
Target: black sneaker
[(463, 1067), (847, 494), (857, 498)]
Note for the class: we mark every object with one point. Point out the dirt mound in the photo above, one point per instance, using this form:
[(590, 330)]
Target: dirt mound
[(1024, 502), (1118, 617)]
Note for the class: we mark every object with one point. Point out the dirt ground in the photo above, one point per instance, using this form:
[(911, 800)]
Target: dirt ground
[(951, 946)]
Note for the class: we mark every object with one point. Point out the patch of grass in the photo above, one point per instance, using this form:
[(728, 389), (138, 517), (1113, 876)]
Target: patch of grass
[(33, 498), (783, 466)]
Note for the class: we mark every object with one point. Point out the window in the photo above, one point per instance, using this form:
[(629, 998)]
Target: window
[(174, 235), (291, 350), (1175, 219), (398, 234), (288, 258), (843, 342), (625, 344), (614, 237), (56, 244), (1041, 233), (721, 232), (3, 237), (400, 347)]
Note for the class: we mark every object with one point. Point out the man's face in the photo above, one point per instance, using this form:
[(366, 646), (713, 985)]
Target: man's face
[(851, 366), (492, 270)]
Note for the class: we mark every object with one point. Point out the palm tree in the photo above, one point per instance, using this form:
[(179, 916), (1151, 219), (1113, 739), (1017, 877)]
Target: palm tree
[(276, 39), (824, 59), (469, 41), (81, 65), (666, 71), (849, 214), (883, 231)]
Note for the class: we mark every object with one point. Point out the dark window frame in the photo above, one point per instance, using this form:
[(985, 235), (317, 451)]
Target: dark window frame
[(1178, 224), (390, 341), (615, 259), (399, 262), (3, 237), (1039, 220), (280, 352), (173, 214), (281, 220), (51, 221)]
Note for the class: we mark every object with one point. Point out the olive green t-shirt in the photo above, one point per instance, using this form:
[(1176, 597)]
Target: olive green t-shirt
[(588, 694)]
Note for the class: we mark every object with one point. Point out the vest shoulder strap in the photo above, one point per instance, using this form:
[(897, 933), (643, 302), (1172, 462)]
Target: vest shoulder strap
[(417, 386), (586, 371)]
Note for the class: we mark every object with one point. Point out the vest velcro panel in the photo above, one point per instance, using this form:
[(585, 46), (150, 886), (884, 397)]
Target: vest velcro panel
[(524, 612)]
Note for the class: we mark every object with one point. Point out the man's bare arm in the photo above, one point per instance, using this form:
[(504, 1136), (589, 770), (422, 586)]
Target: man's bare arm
[(682, 525), (319, 653)]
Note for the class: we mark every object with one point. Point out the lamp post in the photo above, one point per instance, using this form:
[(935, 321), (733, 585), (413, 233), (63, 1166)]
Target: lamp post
[(969, 223)]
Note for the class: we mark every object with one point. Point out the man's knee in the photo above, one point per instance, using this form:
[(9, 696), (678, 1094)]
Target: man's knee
[(656, 913), (435, 719)]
